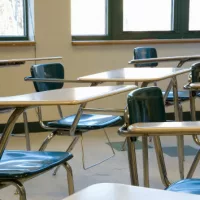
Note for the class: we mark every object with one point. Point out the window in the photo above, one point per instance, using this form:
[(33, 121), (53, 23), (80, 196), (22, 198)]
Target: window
[(13, 20), (135, 19), (143, 15)]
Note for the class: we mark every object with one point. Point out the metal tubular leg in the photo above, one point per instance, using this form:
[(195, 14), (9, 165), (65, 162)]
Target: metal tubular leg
[(180, 112), (69, 149), (60, 111), (47, 140), (9, 128), (132, 162), (180, 139), (83, 154), (145, 160), (193, 114), (26, 130), (194, 165), (19, 186), (161, 161), (69, 178), (124, 145)]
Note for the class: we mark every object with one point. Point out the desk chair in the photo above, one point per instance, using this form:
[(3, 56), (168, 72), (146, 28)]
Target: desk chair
[(150, 52), (17, 167), (26, 130), (194, 77), (87, 122), (147, 105)]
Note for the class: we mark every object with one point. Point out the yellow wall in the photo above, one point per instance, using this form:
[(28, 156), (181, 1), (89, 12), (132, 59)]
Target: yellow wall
[(53, 38)]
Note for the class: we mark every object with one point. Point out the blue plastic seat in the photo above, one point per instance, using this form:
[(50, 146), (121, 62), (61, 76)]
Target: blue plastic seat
[(26, 164), (150, 52), (87, 122), (19, 166), (191, 186)]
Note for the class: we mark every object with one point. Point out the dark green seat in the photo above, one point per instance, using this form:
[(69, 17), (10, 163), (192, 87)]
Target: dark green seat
[(87, 122), (19, 166), (150, 52), (191, 186), (26, 164)]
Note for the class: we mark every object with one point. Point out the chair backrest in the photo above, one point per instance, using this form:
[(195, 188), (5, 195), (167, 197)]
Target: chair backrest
[(195, 70), (49, 70), (145, 53), (146, 105)]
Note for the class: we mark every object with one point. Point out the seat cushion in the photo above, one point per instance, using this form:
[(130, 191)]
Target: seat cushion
[(182, 96), (24, 164), (87, 122), (191, 186)]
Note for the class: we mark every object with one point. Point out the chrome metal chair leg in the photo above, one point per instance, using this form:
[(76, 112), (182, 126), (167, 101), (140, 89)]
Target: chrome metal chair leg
[(26, 130), (47, 140), (193, 114), (83, 155), (69, 178), (19, 187), (194, 165), (69, 149), (180, 139), (161, 161), (132, 162), (124, 145), (21, 190), (145, 160)]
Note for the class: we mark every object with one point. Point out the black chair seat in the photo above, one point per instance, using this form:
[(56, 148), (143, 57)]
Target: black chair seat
[(182, 96), (191, 186), (24, 164), (87, 122)]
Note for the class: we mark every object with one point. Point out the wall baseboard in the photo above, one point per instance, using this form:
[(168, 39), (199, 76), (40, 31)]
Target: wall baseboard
[(35, 127)]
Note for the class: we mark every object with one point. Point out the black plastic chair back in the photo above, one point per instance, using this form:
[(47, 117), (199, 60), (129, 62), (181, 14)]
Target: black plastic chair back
[(146, 105), (195, 72), (145, 53), (49, 70)]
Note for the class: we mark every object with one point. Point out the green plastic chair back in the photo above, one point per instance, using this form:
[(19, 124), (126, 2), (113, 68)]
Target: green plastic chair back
[(49, 70), (195, 72), (146, 105), (145, 53)]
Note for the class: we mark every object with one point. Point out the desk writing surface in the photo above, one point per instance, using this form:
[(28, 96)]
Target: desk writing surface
[(135, 74), (23, 60), (195, 86), (67, 96), (166, 59), (111, 191), (171, 128)]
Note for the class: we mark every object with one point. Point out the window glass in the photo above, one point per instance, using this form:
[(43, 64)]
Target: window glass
[(88, 17), (11, 18), (194, 15), (147, 15)]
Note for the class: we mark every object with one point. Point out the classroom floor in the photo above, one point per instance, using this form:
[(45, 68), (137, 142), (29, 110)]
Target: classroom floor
[(48, 187)]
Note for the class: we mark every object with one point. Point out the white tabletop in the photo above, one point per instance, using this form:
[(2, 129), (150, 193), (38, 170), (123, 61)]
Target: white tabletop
[(166, 59), (23, 60), (164, 128), (144, 74), (67, 96), (195, 86), (109, 191)]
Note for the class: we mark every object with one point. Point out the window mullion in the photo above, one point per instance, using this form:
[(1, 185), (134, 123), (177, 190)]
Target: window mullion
[(184, 16), (116, 19)]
